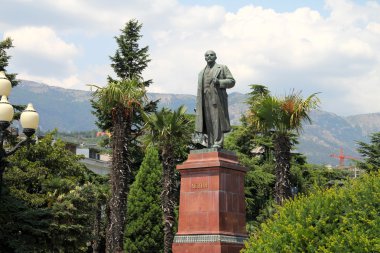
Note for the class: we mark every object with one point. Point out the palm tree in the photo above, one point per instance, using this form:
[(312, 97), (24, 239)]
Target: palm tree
[(120, 99), (171, 133), (282, 117)]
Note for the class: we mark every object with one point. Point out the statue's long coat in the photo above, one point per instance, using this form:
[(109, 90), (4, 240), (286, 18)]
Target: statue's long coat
[(226, 80)]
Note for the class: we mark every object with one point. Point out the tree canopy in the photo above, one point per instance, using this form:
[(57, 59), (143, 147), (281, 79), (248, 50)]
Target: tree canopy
[(371, 153), (339, 219), (50, 199)]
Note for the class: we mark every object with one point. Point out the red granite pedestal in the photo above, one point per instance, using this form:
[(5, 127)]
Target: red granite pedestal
[(212, 203)]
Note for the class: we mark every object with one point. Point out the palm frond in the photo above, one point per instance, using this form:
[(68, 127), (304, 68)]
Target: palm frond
[(128, 94)]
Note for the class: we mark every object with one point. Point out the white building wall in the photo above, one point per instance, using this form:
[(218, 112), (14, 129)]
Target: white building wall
[(83, 151)]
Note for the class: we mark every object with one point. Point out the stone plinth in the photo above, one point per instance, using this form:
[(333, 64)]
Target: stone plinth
[(212, 203)]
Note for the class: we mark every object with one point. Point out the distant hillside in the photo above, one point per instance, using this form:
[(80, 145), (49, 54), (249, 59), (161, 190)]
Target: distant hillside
[(70, 110), (65, 109), (326, 135), (368, 123)]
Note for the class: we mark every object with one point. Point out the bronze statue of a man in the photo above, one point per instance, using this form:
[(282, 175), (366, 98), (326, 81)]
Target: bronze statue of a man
[(212, 117)]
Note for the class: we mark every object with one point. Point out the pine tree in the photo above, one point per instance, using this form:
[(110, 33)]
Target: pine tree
[(130, 60), (144, 230), (4, 58)]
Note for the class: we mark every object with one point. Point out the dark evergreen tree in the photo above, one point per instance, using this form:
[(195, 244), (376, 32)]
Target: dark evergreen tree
[(130, 60), (371, 153), (144, 230), (50, 200)]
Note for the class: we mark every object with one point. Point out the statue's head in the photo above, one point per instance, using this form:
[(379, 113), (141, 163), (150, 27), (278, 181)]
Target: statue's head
[(210, 57)]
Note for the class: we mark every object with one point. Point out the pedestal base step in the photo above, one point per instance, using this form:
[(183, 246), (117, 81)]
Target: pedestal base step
[(208, 244), (209, 238)]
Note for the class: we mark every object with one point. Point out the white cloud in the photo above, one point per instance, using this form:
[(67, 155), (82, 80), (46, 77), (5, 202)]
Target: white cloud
[(301, 49), (42, 41), (39, 54)]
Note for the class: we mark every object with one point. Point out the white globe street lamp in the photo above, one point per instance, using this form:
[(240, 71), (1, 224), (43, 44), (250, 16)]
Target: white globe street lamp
[(29, 121), (5, 85)]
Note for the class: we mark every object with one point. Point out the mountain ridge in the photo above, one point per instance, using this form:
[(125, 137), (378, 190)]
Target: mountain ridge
[(69, 110)]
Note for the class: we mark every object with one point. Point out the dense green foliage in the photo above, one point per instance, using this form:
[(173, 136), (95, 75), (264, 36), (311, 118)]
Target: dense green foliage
[(339, 219), (371, 153), (144, 230), (50, 200), (129, 60), (170, 131)]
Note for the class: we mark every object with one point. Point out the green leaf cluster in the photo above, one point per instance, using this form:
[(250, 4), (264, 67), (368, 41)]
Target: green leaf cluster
[(282, 114), (50, 200), (170, 131), (339, 219)]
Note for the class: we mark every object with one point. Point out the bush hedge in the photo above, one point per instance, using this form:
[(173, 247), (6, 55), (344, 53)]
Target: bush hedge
[(339, 219)]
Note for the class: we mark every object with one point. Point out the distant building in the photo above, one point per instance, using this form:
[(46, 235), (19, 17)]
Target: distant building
[(93, 159), (88, 152)]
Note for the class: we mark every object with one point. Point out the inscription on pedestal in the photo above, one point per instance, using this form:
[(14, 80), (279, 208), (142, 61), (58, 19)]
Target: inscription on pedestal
[(199, 186)]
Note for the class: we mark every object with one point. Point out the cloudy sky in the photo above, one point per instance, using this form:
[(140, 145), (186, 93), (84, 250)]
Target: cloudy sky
[(330, 46)]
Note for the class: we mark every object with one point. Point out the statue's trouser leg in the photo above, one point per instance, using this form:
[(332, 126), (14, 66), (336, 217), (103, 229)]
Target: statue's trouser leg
[(214, 133), (218, 134), (208, 106)]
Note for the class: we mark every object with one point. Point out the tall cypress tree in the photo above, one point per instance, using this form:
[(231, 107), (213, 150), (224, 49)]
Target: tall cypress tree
[(144, 230)]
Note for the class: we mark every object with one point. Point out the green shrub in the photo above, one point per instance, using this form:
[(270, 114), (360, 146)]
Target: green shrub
[(144, 229), (344, 219)]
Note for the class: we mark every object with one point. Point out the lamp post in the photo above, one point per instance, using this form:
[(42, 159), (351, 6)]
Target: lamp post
[(29, 121)]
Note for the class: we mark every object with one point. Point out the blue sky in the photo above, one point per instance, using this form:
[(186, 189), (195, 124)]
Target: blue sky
[(330, 46)]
